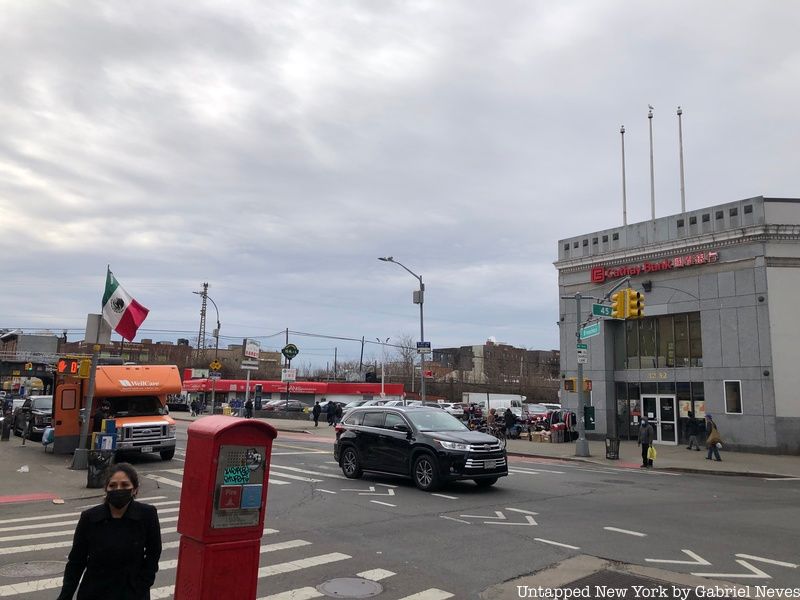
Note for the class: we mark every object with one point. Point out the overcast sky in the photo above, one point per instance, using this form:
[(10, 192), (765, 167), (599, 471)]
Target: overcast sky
[(275, 149)]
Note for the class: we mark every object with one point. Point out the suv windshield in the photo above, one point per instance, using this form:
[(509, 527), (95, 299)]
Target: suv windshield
[(42, 403), (136, 406), (435, 420)]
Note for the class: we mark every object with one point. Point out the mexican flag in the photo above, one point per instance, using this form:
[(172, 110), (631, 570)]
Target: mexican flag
[(120, 310)]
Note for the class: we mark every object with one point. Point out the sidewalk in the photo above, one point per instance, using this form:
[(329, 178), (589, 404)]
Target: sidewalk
[(670, 458)]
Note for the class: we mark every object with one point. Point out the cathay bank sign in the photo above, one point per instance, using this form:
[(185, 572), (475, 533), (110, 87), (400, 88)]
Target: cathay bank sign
[(600, 274)]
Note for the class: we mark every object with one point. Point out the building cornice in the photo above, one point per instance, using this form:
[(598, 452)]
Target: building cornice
[(661, 250)]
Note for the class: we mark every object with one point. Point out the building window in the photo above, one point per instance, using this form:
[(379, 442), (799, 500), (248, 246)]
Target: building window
[(748, 209), (681, 341), (733, 397), (594, 241), (575, 245), (665, 341), (615, 236), (733, 212), (692, 220), (566, 247), (706, 218), (695, 341), (680, 222), (586, 242), (647, 344), (632, 344), (605, 239), (719, 214)]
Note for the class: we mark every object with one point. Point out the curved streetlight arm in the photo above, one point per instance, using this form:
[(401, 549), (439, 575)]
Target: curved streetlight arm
[(392, 260)]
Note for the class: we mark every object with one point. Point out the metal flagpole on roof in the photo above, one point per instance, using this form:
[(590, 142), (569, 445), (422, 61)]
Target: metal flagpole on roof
[(624, 190), (680, 144), (652, 173)]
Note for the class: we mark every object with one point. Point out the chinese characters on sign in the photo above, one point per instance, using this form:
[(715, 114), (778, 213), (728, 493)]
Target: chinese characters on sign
[(600, 274)]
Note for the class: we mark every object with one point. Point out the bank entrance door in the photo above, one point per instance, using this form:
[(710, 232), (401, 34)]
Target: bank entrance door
[(660, 410)]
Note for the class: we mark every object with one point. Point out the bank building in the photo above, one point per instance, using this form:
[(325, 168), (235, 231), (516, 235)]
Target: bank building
[(720, 331)]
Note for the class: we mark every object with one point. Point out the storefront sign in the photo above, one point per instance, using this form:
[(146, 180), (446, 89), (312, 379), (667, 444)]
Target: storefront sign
[(600, 274)]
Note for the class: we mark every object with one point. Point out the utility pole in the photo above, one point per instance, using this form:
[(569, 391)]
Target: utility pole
[(582, 445), (201, 336)]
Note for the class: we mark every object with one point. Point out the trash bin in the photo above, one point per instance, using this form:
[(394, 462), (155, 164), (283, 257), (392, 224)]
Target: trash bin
[(612, 448), (226, 410), (98, 461)]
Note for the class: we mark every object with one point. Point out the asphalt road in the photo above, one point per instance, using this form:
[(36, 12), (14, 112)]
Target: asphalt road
[(460, 541)]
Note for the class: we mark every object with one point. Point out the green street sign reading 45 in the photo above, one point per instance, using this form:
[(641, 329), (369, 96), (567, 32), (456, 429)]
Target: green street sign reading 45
[(601, 310)]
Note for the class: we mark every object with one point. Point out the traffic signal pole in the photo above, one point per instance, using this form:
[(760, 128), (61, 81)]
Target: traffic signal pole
[(582, 445)]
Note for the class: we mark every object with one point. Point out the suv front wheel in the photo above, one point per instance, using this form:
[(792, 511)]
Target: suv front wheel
[(426, 474), (350, 465)]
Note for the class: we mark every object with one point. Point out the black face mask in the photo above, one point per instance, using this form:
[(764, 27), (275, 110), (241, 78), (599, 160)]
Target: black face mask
[(119, 498)]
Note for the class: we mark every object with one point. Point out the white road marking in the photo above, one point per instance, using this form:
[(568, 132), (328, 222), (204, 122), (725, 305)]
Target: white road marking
[(173, 471), (499, 514), (164, 480), (296, 477), (278, 481), (698, 560), (625, 531), (306, 593), (430, 594), (754, 573), (768, 560), (386, 485), (519, 510), (45, 534), (299, 452), (376, 574), (551, 542), (100, 496), (530, 522), (781, 478), (454, 519), (445, 496), (77, 514), (303, 563), (325, 491), (62, 523), (306, 471), (384, 503)]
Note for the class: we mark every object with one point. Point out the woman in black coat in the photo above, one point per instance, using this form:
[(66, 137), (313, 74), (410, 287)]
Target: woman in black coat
[(117, 544)]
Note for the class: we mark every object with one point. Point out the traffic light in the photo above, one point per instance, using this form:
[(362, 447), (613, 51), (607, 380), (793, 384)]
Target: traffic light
[(618, 305), (635, 301), (570, 384)]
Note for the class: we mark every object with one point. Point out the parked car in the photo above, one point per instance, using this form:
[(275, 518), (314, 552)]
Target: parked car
[(353, 404), (551, 405), (375, 402), (36, 409), (453, 408), (426, 444), (394, 403), (284, 406)]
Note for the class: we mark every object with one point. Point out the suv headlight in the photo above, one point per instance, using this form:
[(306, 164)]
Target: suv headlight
[(172, 429), (452, 445), (502, 443)]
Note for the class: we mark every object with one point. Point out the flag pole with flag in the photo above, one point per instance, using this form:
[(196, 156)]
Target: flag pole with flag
[(121, 310)]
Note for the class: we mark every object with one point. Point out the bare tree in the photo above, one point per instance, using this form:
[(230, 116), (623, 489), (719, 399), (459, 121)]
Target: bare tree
[(406, 351)]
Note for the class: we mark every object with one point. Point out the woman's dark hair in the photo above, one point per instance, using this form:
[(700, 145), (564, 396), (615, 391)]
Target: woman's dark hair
[(126, 468)]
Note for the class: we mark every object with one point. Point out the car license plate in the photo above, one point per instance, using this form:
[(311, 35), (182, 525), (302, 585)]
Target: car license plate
[(147, 448), (489, 464)]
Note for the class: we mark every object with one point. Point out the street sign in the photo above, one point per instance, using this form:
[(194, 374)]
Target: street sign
[(215, 375), (424, 347), (252, 348), (582, 346), (249, 365), (590, 331), (601, 310), (215, 365), (583, 359), (290, 351), (288, 374)]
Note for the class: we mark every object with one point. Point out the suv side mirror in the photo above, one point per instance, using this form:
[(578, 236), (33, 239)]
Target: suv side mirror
[(401, 427)]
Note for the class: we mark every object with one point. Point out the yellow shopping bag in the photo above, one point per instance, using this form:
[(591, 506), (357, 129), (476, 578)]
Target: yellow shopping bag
[(651, 453)]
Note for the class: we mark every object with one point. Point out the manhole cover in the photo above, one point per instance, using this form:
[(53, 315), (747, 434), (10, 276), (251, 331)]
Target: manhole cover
[(350, 587), (32, 569)]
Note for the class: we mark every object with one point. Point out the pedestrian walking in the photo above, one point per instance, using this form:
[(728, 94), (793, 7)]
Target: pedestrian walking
[(713, 439), (692, 429), (339, 411), (248, 409), (315, 412), (116, 545), (193, 408), (330, 413), (646, 435)]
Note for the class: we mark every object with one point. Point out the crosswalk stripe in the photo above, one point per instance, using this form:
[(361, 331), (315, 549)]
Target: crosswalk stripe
[(164, 565), (45, 534), (180, 472), (429, 594), (307, 472), (308, 593), (62, 523), (76, 514), (287, 567), (295, 477), (278, 482), (164, 480)]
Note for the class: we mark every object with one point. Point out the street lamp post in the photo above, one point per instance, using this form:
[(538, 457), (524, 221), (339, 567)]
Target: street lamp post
[(419, 298), (383, 360), (216, 345)]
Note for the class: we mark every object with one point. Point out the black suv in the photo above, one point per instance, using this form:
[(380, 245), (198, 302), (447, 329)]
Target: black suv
[(426, 444)]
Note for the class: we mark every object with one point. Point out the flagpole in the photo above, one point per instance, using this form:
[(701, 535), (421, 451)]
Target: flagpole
[(680, 143), (624, 191), (652, 174)]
